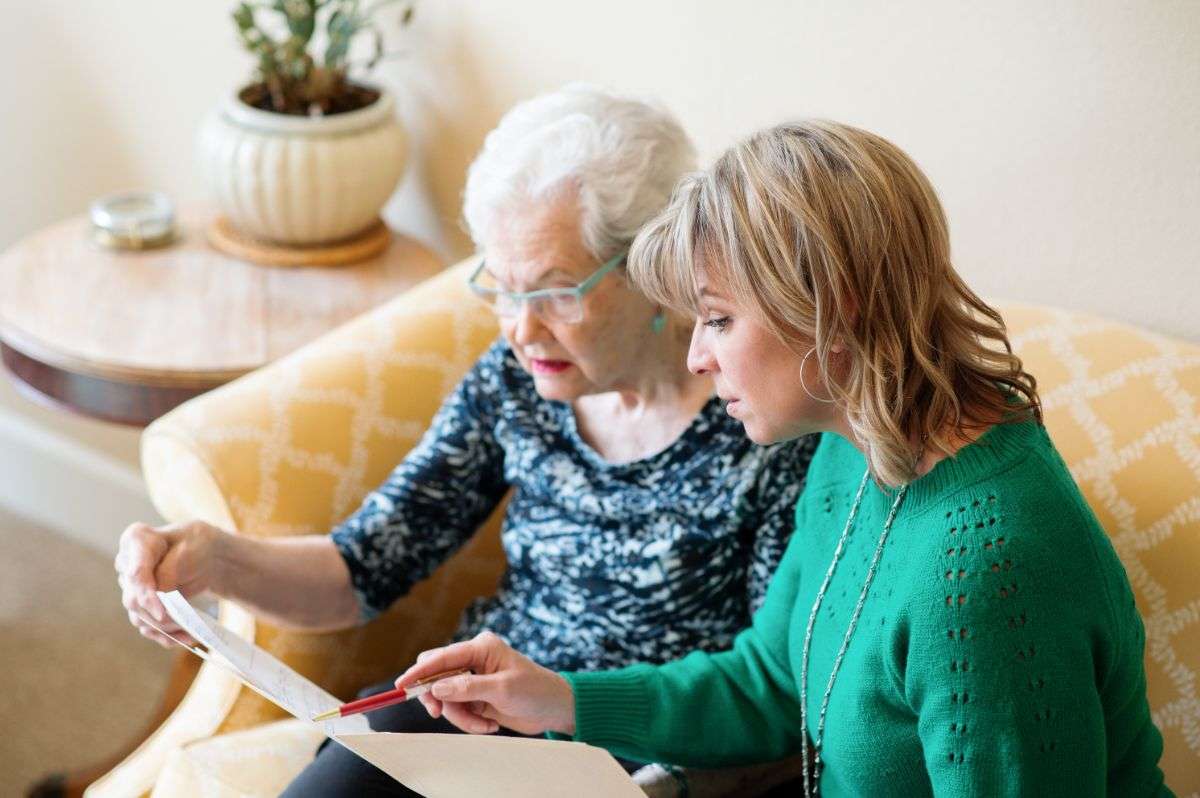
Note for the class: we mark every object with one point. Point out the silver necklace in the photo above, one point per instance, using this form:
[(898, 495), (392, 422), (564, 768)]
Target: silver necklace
[(812, 619)]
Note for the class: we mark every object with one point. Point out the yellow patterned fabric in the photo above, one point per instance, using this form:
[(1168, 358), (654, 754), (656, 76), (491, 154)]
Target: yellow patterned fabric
[(294, 447), (255, 762)]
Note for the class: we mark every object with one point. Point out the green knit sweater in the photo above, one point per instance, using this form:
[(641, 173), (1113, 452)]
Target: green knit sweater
[(999, 651)]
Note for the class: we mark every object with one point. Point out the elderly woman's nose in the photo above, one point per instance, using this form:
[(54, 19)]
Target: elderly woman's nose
[(526, 324)]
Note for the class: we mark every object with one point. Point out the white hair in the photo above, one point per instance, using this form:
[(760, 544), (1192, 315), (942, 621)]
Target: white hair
[(621, 156)]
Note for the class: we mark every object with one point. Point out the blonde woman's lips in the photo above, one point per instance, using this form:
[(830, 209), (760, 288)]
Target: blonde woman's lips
[(540, 366), (731, 407)]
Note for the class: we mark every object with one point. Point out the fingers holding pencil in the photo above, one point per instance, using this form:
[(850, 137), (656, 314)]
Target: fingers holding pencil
[(505, 688)]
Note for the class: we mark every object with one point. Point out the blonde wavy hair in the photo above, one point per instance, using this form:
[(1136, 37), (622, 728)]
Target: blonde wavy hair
[(832, 235)]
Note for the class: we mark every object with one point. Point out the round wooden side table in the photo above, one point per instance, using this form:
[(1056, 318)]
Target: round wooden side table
[(125, 336)]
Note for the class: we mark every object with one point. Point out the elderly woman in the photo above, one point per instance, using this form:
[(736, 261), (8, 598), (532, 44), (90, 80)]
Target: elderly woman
[(952, 620), (642, 524)]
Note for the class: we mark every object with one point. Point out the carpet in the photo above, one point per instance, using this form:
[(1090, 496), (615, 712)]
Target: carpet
[(78, 681)]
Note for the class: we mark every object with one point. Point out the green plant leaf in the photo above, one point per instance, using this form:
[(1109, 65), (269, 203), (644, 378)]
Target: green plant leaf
[(293, 81), (243, 16), (301, 17), (339, 38)]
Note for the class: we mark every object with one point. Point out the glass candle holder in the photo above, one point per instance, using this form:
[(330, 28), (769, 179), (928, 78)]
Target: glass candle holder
[(133, 220)]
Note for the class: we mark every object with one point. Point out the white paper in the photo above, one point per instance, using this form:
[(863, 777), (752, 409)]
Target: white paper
[(435, 765), (261, 671)]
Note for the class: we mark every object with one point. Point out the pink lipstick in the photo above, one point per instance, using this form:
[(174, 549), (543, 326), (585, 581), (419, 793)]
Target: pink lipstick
[(540, 366)]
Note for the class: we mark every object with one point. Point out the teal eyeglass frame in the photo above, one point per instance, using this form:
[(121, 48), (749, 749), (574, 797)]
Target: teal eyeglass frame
[(507, 304)]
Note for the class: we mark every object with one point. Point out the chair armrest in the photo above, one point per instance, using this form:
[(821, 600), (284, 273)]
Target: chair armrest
[(293, 448)]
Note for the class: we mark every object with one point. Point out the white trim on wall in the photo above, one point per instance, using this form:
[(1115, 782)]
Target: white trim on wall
[(65, 486)]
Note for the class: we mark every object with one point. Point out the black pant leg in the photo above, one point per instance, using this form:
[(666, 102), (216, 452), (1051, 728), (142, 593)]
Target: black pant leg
[(336, 771)]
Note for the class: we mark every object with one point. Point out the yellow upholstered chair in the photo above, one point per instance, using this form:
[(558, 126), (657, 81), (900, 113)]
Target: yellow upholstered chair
[(294, 447)]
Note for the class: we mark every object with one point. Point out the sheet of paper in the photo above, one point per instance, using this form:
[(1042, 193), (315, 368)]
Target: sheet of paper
[(500, 767), (435, 765), (261, 671)]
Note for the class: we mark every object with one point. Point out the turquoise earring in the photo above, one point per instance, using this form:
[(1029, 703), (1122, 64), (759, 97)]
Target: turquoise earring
[(659, 323)]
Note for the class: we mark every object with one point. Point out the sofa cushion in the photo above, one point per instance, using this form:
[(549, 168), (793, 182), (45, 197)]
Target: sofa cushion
[(255, 762)]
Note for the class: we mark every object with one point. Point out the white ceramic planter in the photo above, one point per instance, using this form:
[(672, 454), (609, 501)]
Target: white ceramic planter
[(302, 180)]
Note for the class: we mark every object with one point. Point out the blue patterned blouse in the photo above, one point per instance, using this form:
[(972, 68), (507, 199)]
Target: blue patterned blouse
[(608, 565)]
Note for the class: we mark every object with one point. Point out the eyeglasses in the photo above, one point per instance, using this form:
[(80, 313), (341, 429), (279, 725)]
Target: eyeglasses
[(549, 304)]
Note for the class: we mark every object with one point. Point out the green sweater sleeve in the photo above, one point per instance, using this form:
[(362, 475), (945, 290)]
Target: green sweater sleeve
[(1019, 686), (707, 710), (1133, 757), (1006, 710)]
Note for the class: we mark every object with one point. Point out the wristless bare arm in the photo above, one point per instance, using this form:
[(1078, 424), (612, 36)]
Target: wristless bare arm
[(296, 582)]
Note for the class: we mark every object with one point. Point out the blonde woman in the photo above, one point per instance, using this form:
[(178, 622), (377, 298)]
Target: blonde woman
[(949, 618)]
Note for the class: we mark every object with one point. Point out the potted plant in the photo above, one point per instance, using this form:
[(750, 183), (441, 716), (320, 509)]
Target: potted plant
[(304, 154)]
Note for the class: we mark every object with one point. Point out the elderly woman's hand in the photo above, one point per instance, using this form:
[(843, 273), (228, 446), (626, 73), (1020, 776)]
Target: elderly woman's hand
[(173, 557), (505, 689)]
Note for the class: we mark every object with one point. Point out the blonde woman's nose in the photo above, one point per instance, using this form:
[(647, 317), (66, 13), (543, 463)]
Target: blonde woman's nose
[(700, 359)]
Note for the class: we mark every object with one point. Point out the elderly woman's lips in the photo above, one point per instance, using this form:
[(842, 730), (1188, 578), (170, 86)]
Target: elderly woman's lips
[(549, 366)]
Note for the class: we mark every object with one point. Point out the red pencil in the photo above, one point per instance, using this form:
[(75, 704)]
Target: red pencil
[(387, 698)]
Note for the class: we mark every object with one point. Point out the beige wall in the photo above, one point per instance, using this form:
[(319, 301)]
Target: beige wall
[(1063, 137)]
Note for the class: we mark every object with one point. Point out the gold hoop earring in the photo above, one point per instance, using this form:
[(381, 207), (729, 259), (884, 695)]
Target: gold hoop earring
[(805, 387)]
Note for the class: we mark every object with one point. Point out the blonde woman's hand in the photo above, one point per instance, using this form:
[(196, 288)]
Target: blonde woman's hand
[(505, 688), (172, 557)]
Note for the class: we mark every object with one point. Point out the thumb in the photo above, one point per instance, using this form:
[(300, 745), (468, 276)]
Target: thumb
[(167, 573), (150, 551), (142, 575)]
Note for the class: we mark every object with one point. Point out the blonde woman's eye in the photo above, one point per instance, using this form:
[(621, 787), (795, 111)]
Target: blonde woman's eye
[(718, 324)]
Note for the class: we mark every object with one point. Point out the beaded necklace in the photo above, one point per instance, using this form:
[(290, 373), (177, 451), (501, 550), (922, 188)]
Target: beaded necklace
[(812, 619)]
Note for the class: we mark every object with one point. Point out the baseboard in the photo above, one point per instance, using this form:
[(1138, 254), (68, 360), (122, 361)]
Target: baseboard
[(68, 487)]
